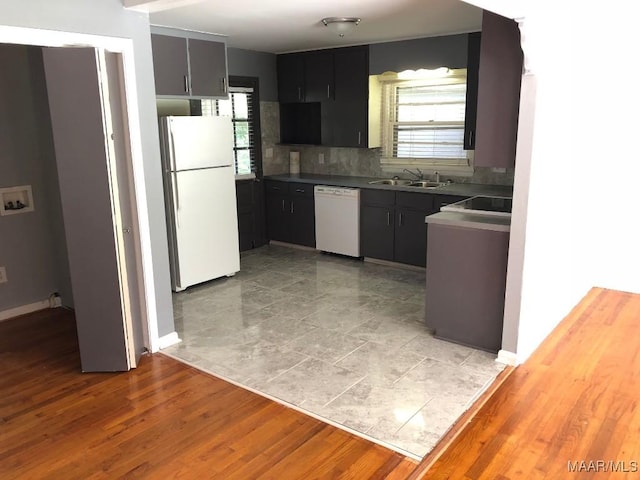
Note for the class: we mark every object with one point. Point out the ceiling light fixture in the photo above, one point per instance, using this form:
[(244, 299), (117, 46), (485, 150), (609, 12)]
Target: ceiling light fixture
[(341, 25)]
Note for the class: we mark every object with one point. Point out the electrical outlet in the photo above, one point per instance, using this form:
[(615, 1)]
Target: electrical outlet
[(3, 275)]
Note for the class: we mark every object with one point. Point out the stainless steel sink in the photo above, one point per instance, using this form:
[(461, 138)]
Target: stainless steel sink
[(391, 181), (427, 184)]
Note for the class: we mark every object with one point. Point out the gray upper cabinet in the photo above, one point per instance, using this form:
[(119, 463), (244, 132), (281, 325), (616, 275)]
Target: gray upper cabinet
[(318, 73), (208, 68), (291, 87), (189, 67), (170, 65), (337, 81), (499, 80)]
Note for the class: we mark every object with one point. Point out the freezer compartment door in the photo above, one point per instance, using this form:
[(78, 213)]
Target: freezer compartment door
[(197, 142), (205, 227)]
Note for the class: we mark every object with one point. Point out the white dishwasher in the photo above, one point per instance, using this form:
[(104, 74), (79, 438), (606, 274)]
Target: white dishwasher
[(337, 220)]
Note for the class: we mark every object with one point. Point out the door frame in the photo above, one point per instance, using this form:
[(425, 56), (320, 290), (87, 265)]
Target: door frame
[(123, 46)]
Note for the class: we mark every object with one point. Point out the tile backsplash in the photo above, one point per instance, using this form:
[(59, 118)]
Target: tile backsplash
[(360, 162)]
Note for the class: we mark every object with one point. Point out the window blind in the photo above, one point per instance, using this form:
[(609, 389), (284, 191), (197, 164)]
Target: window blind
[(239, 107), (423, 122)]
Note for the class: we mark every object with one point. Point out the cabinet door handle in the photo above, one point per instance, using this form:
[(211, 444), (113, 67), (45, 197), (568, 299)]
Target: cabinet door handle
[(359, 138), (470, 137), (300, 93), (186, 84), (224, 84), (400, 219), (283, 205), (292, 206), (275, 188), (328, 90), (388, 218), (299, 190)]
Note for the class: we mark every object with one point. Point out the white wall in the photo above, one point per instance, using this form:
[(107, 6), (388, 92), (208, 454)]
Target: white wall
[(108, 18), (606, 103), (575, 219), (549, 288)]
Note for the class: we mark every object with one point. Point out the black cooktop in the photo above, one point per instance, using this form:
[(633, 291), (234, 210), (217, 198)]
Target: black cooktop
[(480, 204)]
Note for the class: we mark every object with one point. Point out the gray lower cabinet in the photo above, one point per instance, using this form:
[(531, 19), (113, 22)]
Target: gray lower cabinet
[(377, 223), (290, 210), (392, 224), (189, 67), (466, 277)]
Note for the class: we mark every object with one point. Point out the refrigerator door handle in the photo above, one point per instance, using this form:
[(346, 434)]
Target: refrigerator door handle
[(176, 194), (172, 164), (174, 173)]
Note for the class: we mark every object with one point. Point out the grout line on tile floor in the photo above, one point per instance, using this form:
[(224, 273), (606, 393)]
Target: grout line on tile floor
[(307, 357), (352, 351), (410, 370), (344, 391), (412, 416)]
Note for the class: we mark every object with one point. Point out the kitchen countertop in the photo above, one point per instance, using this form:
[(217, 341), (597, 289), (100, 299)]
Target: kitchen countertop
[(470, 220), (462, 189)]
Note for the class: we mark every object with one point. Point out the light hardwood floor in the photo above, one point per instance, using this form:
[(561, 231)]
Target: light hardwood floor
[(570, 411), (162, 420)]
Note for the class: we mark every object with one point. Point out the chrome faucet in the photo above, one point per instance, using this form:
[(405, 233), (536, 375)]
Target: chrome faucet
[(419, 175), (437, 174)]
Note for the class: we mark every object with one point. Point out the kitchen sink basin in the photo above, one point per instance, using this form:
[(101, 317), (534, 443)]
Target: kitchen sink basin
[(391, 181), (426, 184)]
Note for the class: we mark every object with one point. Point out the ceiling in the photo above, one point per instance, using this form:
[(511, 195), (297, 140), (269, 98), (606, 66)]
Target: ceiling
[(279, 26)]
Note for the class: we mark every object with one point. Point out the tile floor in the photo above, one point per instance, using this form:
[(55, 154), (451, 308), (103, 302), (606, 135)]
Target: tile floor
[(340, 338)]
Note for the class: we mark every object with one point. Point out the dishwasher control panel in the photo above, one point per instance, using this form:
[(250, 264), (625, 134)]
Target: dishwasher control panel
[(340, 191)]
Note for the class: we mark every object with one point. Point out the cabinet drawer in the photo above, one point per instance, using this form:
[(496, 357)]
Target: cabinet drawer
[(301, 189), (419, 201), (377, 197), (276, 187)]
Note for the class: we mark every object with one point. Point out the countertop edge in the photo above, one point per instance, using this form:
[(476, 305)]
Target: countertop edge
[(464, 220), (460, 189)]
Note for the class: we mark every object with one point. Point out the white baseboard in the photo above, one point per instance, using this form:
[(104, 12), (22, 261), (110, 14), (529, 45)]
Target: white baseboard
[(32, 307), (168, 340), (508, 358)]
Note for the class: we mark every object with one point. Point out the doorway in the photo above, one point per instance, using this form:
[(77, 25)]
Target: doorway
[(76, 203)]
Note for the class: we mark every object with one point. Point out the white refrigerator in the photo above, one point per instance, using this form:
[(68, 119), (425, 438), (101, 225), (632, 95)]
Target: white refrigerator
[(200, 195)]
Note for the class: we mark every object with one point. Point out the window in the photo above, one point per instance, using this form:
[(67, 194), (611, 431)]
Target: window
[(239, 107), (423, 122)]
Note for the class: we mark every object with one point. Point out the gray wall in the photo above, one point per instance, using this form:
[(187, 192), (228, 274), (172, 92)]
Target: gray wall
[(248, 63), (433, 52), (32, 245), (109, 18)]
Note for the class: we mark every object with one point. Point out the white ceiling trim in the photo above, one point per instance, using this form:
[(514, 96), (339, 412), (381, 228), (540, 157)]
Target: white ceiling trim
[(150, 6)]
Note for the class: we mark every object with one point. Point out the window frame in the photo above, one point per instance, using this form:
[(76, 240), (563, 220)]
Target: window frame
[(390, 82), (251, 85)]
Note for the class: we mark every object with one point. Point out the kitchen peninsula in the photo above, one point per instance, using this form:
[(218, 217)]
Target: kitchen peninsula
[(468, 244)]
